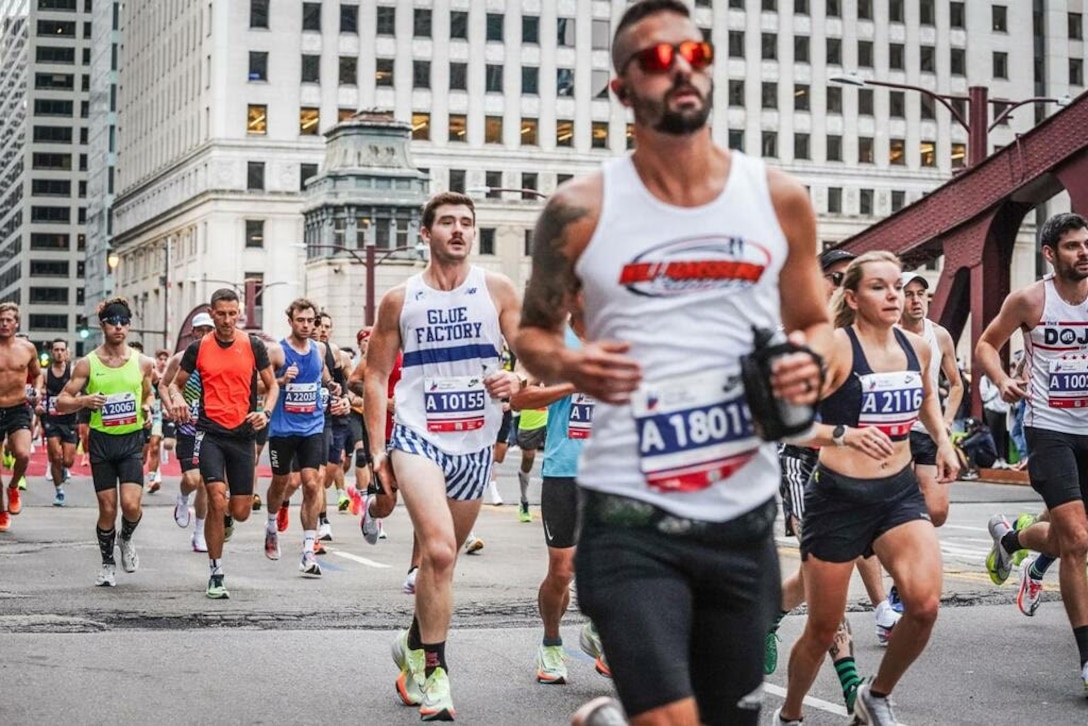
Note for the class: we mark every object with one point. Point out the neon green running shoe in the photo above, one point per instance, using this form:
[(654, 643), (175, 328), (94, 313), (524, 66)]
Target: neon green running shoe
[(770, 654), (523, 512), (22, 484), (998, 562), (1022, 522), (412, 665), (216, 589), (437, 703), (9, 460)]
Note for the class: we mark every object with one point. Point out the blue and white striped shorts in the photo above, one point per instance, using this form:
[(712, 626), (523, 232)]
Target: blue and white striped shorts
[(466, 474)]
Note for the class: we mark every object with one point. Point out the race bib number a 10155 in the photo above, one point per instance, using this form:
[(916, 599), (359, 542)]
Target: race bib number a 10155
[(1068, 383), (455, 403), (693, 431), (119, 410)]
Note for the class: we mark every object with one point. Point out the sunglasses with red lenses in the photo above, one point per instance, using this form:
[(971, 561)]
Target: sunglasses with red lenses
[(661, 57)]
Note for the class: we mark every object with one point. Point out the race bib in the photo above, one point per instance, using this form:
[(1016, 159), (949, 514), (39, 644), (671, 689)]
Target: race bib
[(300, 397), (50, 405), (693, 431), (581, 416), (454, 404), (890, 401), (119, 410), (1068, 383)]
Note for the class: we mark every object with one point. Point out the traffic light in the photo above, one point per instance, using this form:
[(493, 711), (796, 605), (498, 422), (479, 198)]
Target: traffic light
[(81, 326), (43, 359)]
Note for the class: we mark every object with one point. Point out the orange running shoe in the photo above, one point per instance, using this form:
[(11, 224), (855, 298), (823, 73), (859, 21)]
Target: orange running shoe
[(319, 549), (15, 500), (282, 518), (5, 521)]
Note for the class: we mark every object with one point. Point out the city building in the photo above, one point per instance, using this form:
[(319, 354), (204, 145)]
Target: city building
[(44, 88), (222, 106)]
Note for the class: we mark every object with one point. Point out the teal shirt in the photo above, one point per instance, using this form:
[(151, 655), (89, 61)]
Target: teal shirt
[(561, 453)]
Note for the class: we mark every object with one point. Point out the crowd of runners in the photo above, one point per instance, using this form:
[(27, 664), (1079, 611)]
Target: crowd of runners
[(633, 357)]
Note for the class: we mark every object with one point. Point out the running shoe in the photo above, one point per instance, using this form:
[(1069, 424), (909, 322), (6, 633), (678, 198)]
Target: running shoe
[(228, 528), (770, 654), (601, 711), (886, 617), (412, 665), (523, 512), (5, 521), (21, 486), (9, 460), (356, 501), (1022, 522), (473, 544), (153, 484), (308, 566), (493, 492), (256, 502), (15, 501), (271, 545), (872, 710), (58, 498), (1031, 590), (107, 576), (198, 542), (437, 704), (344, 502), (283, 518), (216, 589), (324, 532), (590, 643), (777, 719), (130, 561), (1084, 677), (181, 511), (998, 562), (319, 549), (894, 600), (409, 586), (851, 697), (551, 665), (67, 475), (381, 530), (370, 525)]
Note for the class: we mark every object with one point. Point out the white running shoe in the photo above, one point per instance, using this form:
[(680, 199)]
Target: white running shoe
[(872, 710), (409, 586), (181, 511), (886, 617), (1031, 590), (198, 542), (381, 530), (370, 525), (324, 532), (107, 576), (473, 544), (130, 561), (308, 566), (493, 493), (777, 719)]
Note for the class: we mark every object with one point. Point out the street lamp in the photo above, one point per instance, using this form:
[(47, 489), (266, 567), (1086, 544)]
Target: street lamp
[(977, 124), (484, 191), (249, 287), (371, 261)]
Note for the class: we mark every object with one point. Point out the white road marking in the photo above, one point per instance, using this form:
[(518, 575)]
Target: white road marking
[(817, 703), (357, 558)]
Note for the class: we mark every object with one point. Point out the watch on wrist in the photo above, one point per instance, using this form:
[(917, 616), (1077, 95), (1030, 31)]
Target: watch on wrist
[(838, 435)]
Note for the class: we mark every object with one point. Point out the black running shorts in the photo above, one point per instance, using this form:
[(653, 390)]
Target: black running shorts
[(292, 453), (14, 418), (116, 459), (65, 432), (228, 459), (1058, 465), (185, 447), (798, 463), (923, 449), (337, 434), (559, 510), (261, 437)]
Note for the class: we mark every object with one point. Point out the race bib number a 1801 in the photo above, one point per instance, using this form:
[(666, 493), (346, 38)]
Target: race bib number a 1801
[(1068, 383), (580, 420), (693, 431), (119, 410), (455, 403)]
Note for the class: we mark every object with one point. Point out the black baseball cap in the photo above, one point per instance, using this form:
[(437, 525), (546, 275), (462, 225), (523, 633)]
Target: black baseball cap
[(834, 256)]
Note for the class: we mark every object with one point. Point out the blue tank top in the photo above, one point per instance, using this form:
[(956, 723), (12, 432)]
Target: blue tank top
[(890, 401), (298, 410), (568, 428)]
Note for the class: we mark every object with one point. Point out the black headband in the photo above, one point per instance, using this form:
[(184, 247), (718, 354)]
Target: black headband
[(113, 310)]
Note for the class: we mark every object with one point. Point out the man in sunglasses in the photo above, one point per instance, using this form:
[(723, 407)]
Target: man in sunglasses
[(833, 264), (679, 250), (18, 364), (117, 380)]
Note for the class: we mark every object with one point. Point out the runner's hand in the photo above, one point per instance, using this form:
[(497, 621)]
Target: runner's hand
[(179, 410), (1013, 389), (339, 407), (290, 374), (257, 420), (502, 384), (869, 440), (94, 401), (948, 464), (383, 470), (603, 371), (147, 415), (796, 377), (334, 388)]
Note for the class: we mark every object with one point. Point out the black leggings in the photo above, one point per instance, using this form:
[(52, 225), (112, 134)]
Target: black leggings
[(680, 617)]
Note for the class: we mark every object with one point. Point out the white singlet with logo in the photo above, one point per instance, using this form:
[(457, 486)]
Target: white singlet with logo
[(929, 335), (451, 341), (1057, 351), (684, 286)]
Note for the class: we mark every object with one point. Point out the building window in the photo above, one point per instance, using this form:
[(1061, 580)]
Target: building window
[(956, 15), (959, 155), (928, 153), (383, 71), (458, 127), (564, 32), (258, 13), (349, 18), (349, 70), (564, 81), (801, 49), (958, 62), (769, 144), (529, 130), (897, 57), (421, 74), (255, 176), (386, 21), (800, 7), (53, 54), (834, 148), (834, 99), (899, 199), (50, 214), (865, 101), (736, 92), (768, 46), (305, 173), (529, 180), (49, 322), (736, 139), (834, 51), (926, 12), (52, 107), (308, 118), (769, 95), (865, 9), (528, 251), (62, 162), (735, 4), (834, 200), (311, 69), (530, 29), (600, 35), (1001, 65), (421, 23), (999, 15), (865, 53), (895, 11), (801, 146), (530, 80), (56, 28), (458, 76), (1076, 26), (897, 104), (421, 127), (927, 59), (897, 152), (928, 106), (311, 16), (865, 202), (801, 97), (457, 180), (493, 129), (53, 134), (458, 25), (258, 66), (487, 240), (493, 78), (494, 27), (54, 81), (599, 138), (865, 150), (50, 241), (1076, 71), (834, 8), (254, 233), (564, 133), (257, 119)]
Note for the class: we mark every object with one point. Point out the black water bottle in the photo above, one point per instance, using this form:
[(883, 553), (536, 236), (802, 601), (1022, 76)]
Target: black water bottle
[(773, 418)]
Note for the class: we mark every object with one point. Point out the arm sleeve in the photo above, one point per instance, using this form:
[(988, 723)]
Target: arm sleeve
[(260, 352), (188, 359)]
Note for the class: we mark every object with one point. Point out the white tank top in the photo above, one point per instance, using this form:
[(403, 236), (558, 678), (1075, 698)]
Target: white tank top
[(683, 286), (929, 335), (451, 341), (1057, 351)]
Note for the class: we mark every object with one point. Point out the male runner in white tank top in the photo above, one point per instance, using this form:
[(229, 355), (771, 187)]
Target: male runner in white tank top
[(1052, 314), (679, 249), (942, 359), (450, 321)]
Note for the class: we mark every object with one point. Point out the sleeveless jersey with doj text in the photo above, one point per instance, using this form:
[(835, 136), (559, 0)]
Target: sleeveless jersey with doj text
[(451, 341), (1057, 351), (684, 286)]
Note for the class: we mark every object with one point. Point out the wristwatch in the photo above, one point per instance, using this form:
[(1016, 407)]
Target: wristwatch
[(838, 435)]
